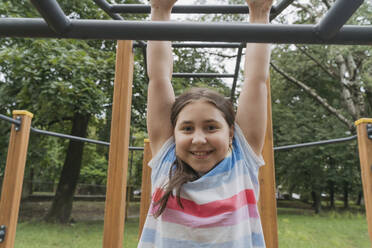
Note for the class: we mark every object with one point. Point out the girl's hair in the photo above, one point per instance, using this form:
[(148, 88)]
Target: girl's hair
[(180, 172)]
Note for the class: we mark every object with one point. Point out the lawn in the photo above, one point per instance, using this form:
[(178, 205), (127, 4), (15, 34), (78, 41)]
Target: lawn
[(298, 227)]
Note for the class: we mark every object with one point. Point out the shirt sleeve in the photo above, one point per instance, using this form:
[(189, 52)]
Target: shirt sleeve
[(247, 151), (161, 163)]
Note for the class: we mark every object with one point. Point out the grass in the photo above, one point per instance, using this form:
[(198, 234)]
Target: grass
[(298, 227), (35, 234), (332, 229)]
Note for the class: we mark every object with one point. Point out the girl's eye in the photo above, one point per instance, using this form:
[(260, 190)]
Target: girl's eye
[(211, 128), (187, 129)]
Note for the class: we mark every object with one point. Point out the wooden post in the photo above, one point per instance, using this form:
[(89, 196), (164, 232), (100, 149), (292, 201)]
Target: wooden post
[(119, 147), (145, 186), (267, 201), (365, 157), (13, 178)]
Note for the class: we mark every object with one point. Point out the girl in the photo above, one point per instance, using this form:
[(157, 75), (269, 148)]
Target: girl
[(205, 168)]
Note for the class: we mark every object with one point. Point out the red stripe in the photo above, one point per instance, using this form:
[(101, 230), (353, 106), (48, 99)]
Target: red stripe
[(212, 208)]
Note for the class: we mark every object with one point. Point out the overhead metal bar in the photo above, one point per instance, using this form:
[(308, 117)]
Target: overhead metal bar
[(206, 45), (53, 15), (280, 7), (336, 17), (182, 9), (202, 75), (185, 31), (315, 143), (202, 45), (236, 73), (105, 6)]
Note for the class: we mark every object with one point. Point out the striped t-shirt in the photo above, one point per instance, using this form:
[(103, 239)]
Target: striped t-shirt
[(219, 208)]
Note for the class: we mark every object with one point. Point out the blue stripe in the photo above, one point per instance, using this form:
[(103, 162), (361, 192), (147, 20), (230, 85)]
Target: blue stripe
[(255, 240)]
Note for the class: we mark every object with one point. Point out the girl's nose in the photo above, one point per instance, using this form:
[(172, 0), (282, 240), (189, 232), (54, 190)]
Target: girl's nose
[(199, 138)]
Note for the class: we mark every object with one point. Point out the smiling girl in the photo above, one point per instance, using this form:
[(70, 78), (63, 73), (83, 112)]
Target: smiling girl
[(205, 169)]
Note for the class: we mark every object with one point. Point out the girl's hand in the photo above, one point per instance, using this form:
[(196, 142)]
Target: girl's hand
[(165, 5), (259, 10)]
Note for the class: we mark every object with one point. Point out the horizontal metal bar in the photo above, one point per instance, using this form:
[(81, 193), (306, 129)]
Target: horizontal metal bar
[(201, 45), (185, 31), (182, 9), (315, 143), (76, 138), (207, 45), (11, 120), (336, 17), (202, 75), (53, 15)]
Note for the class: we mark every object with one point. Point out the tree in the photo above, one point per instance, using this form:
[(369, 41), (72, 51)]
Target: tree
[(334, 78), (68, 85)]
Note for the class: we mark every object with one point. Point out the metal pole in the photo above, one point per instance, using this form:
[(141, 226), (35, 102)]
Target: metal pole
[(53, 15), (315, 143), (8, 119), (206, 45), (336, 17), (280, 7), (182, 9), (105, 6), (202, 75), (140, 30), (236, 74)]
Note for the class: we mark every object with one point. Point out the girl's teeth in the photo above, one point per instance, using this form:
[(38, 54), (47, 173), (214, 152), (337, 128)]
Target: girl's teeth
[(200, 153)]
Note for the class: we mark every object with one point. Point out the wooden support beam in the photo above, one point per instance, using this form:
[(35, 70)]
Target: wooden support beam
[(13, 178), (267, 201), (145, 186), (365, 157), (113, 233)]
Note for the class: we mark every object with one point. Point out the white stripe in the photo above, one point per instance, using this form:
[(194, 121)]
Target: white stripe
[(145, 245), (225, 191), (209, 235), (242, 182)]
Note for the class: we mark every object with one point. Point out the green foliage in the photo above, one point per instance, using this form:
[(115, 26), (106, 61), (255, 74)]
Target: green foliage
[(299, 118)]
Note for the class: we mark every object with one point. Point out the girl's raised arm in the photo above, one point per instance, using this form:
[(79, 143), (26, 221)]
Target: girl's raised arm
[(252, 103), (160, 91)]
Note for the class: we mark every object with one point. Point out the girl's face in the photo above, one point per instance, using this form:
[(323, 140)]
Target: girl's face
[(202, 136)]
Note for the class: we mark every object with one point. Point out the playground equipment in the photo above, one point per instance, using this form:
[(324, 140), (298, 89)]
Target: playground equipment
[(330, 30)]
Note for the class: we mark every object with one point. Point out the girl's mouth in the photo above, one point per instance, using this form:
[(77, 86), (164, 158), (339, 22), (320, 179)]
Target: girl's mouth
[(201, 154)]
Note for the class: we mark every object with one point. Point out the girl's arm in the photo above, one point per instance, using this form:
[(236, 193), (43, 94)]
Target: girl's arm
[(160, 91), (252, 103)]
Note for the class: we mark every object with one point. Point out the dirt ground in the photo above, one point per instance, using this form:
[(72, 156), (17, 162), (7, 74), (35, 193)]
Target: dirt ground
[(81, 210)]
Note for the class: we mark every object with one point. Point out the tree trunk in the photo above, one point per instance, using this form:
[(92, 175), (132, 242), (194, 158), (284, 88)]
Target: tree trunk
[(346, 195), (360, 197), (316, 201), (62, 202), (331, 194)]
